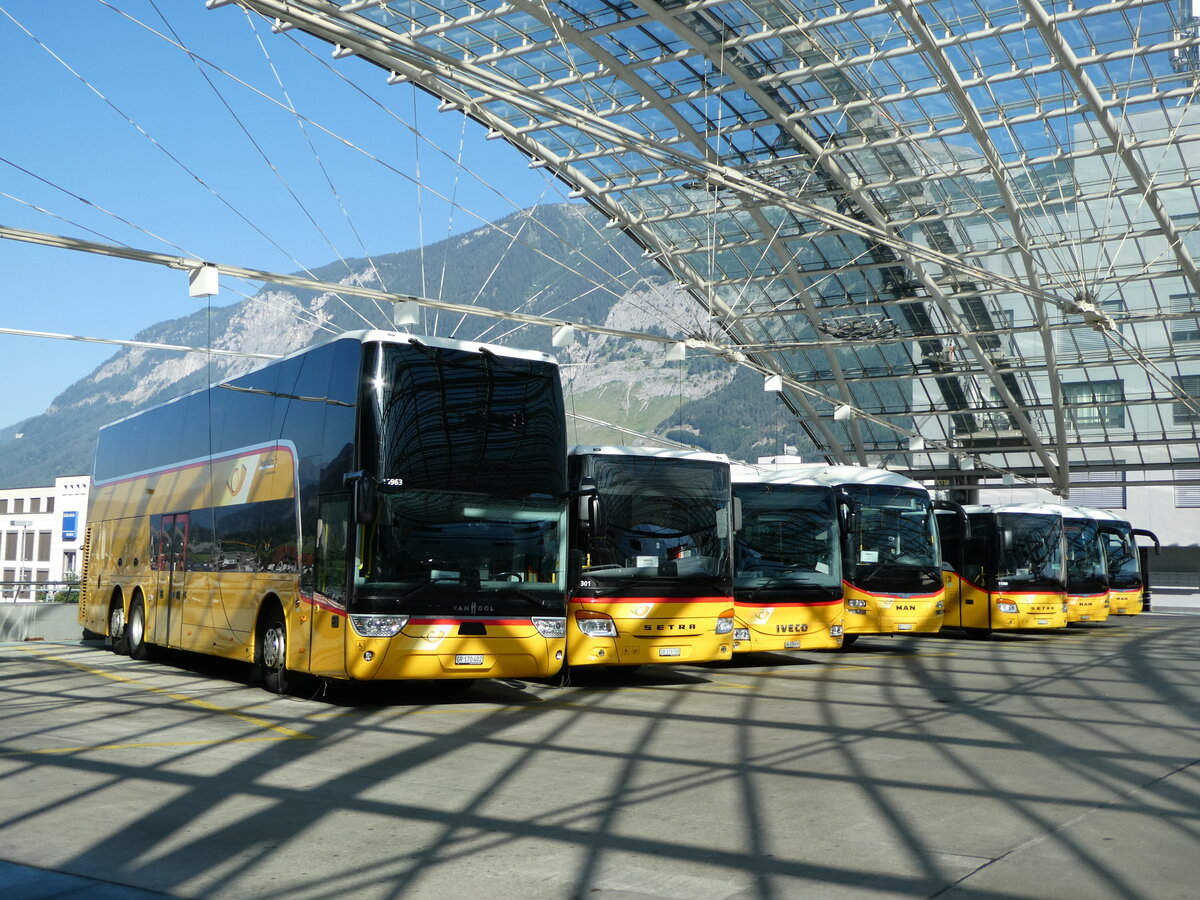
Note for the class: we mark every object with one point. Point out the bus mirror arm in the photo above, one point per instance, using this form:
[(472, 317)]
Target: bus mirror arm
[(964, 523), (1142, 532)]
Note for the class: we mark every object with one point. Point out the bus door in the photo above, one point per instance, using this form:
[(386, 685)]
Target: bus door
[(170, 563)]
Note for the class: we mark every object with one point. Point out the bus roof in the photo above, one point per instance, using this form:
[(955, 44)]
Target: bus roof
[(837, 476), (364, 336), (744, 474), (660, 452), (1031, 509)]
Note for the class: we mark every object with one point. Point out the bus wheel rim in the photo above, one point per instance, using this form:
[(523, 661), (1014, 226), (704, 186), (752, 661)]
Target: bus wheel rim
[(273, 645), (116, 622), (135, 628)]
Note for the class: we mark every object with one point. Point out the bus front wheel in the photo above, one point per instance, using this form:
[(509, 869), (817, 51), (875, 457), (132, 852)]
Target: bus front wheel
[(272, 652), (117, 641)]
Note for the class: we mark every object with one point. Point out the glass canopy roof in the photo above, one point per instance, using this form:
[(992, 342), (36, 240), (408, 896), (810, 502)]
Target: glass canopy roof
[(964, 233)]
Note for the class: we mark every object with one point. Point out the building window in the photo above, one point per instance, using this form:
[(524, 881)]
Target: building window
[(10, 545), (18, 506), (1187, 488), (26, 546), (4, 507), (49, 504), (1095, 404), (43, 547), (35, 504), (69, 562), (1186, 329), (1099, 490), (1182, 413)]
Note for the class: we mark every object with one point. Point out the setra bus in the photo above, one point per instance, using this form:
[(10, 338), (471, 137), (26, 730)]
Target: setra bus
[(1127, 579), (787, 561), (651, 538), (1005, 570), (380, 506), (1087, 569), (892, 576)]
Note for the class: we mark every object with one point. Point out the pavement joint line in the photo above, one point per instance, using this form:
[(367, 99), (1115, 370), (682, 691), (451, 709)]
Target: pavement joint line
[(143, 745), (184, 698)]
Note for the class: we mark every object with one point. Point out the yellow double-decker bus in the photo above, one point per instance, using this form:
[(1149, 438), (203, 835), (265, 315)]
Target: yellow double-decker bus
[(381, 506), (1005, 569), (1128, 583), (787, 561), (652, 538)]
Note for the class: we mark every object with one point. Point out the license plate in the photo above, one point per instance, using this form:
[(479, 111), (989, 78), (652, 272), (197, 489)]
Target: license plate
[(1084, 618), (1121, 610), (668, 651), (907, 626), (469, 659), (1043, 621), (791, 645)]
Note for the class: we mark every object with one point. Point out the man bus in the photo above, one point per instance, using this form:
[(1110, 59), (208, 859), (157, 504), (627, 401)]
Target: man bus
[(1087, 569), (1005, 571), (1127, 578), (652, 536), (380, 506), (787, 562)]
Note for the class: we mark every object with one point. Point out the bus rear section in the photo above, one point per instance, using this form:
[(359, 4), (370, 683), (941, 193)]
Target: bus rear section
[(1127, 578), (1004, 570), (378, 507), (787, 562), (651, 535)]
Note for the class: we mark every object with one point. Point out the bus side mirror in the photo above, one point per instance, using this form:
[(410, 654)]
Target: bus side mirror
[(588, 511), (736, 512), (1006, 538), (366, 498), (574, 569)]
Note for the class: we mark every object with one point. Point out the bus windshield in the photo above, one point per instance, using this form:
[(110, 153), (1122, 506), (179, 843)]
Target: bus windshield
[(897, 545), (663, 519), (470, 469), (1124, 567), (1085, 556), (1030, 550), (789, 537)]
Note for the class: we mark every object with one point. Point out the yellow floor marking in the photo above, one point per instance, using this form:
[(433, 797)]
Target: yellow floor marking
[(183, 698)]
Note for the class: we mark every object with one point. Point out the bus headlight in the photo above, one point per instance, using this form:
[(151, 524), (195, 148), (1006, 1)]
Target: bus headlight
[(725, 622), (940, 606), (550, 628), (741, 634), (378, 626), (1064, 607), (1006, 606), (835, 631), (595, 624), (856, 603)]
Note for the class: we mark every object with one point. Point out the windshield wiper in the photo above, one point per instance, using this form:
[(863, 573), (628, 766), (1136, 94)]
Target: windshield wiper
[(420, 588)]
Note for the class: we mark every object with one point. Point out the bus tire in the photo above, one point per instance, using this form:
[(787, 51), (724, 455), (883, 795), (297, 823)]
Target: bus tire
[(116, 638), (848, 640), (135, 629), (271, 650)]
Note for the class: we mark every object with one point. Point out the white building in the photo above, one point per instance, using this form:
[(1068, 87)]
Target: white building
[(41, 537)]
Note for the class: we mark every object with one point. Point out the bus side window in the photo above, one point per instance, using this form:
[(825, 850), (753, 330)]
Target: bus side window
[(331, 563)]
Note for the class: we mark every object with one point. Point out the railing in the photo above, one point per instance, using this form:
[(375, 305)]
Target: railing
[(40, 591)]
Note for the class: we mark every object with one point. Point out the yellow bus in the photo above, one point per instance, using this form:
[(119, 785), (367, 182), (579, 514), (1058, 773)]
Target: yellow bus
[(787, 562), (380, 506), (1087, 569), (1127, 579), (651, 537), (1005, 571)]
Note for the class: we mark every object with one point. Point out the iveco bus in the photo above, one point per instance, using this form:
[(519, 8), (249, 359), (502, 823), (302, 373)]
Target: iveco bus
[(787, 561), (381, 506), (1005, 570), (652, 539)]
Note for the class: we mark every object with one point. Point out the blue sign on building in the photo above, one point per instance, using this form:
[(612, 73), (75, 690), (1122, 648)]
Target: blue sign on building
[(70, 523)]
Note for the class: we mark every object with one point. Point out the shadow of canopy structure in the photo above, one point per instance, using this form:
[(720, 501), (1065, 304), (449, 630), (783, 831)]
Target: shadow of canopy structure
[(960, 237)]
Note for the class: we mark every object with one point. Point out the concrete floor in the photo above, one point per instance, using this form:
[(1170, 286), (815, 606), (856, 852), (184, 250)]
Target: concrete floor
[(1060, 765)]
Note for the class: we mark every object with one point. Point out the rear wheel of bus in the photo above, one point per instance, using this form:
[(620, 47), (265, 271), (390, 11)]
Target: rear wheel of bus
[(135, 629)]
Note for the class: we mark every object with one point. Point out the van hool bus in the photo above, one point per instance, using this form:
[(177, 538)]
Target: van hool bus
[(377, 507), (1005, 570), (787, 561), (652, 535), (892, 574), (1127, 580)]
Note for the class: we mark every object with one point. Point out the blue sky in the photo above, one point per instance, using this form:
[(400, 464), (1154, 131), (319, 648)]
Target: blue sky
[(111, 133)]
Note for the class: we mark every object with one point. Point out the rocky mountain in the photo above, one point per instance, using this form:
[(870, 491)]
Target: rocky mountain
[(554, 261)]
